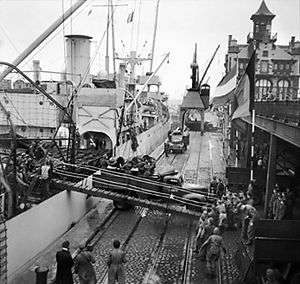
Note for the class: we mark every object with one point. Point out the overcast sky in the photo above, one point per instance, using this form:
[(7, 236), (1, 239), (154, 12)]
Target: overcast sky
[(181, 24)]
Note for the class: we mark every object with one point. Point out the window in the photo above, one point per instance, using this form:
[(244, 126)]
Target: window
[(263, 89), (264, 66), (275, 66), (283, 89), (281, 66), (265, 53), (241, 65)]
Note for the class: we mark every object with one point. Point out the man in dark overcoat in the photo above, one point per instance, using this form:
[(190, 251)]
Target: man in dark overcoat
[(64, 265)]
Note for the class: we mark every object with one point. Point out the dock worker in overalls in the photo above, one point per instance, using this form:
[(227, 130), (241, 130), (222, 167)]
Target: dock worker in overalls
[(116, 260), (213, 246), (186, 137)]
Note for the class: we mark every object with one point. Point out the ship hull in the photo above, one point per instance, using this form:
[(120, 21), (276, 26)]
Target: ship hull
[(148, 141)]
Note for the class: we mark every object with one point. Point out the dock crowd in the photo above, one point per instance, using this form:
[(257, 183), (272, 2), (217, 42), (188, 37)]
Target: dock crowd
[(231, 211)]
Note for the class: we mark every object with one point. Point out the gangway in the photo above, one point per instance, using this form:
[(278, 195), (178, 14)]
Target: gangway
[(132, 190)]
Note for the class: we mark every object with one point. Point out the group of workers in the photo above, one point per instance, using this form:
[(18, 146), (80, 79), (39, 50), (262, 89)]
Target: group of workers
[(281, 204), (230, 211), (33, 170), (83, 265)]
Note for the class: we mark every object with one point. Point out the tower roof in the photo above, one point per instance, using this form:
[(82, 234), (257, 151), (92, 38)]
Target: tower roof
[(263, 11)]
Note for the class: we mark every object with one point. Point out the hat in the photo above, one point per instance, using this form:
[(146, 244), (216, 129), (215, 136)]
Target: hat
[(66, 244)]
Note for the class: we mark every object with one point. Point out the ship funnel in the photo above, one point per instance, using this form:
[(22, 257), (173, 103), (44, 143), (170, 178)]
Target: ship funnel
[(78, 50), (36, 70)]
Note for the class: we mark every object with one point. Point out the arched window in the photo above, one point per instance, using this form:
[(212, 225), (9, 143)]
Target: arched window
[(283, 89), (263, 89)]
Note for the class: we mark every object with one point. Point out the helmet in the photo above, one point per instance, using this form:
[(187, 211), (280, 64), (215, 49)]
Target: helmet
[(216, 231)]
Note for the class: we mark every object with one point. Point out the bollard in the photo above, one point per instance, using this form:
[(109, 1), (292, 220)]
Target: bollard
[(41, 275)]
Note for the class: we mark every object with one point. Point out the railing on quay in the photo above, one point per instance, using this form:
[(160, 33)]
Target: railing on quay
[(286, 111)]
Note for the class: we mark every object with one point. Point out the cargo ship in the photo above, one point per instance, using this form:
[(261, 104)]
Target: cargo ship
[(119, 114)]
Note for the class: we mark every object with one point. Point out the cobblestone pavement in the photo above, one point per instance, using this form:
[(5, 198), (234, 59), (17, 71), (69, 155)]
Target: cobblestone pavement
[(169, 264), (231, 238), (119, 229), (143, 244)]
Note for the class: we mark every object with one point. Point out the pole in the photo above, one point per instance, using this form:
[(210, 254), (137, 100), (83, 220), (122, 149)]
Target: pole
[(236, 147), (113, 36), (252, 144), (146, 83), (107, 44), (42, 37), (154, 35)]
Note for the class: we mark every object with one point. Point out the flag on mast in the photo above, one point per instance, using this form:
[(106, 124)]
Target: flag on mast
[(244, 92), (130, 17), (228, 83), (225, 89)]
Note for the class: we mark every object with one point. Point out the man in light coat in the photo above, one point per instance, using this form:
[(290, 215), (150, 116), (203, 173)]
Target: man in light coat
[(116, 260), (84, 266)]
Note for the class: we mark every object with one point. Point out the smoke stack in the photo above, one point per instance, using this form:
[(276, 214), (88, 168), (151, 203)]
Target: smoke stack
[(36, 70), (78, 58)]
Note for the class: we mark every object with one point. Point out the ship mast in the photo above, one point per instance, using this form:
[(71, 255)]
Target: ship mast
[(107, 44), (154, 35), (113, 37)]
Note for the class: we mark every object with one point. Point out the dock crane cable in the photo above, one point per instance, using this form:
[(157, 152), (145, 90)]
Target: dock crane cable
[(205, 72)]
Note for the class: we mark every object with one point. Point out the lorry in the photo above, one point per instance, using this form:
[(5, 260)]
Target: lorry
[(176, 142)]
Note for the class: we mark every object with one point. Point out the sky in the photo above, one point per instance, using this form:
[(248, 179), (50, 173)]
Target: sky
[(181, 24)]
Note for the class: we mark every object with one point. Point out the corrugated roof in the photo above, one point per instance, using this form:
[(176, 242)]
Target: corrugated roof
[(263, 11), (192, 100)]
